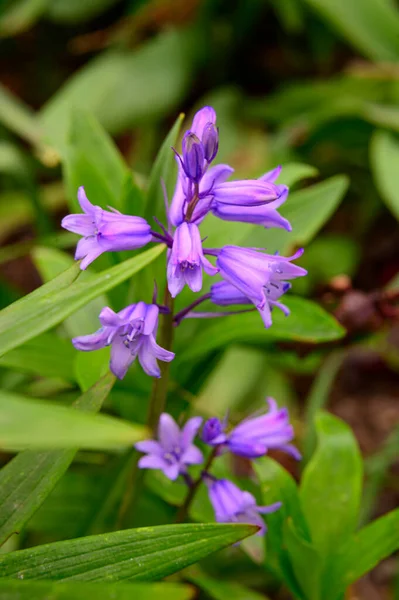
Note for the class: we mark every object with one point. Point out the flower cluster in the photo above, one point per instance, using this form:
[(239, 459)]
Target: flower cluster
[(248, 276), (174, 452)]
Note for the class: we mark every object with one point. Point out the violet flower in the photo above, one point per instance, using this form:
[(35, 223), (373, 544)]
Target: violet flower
[(174, 449), (232, 505), (104, 231), (253, 201), (254, 436), (131, 333), (258, 276), (186, 260)]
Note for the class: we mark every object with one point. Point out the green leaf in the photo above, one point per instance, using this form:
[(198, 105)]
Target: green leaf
[(371, 27), (33, 424), (123, 88), (302, 556), (164, 169), (75, 11), (50, 263), (331, 485), (307, 210), (141, 554), (292, 173), (46, 355), (92, 160), (18, 117), (48, 590), (29, 478), (21, 15), (221, 590), (318, 397), (277, 485), (362, 552), (384, 156), (308, 322), (24, 319)]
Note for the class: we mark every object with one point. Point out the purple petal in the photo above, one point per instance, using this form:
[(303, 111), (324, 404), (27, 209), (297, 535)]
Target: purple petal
[(272, 175), (226, 294), (147, 359), (245, 448), (88, 250), (150, 446), (189, 431), (215, 175), (151, 319), (93, 341), (290, 449), (168, 432), (121, 358), (193, 278), (159, 352), (151, 461), (172, 471), (84, 202), (265, 510), (192, 456), (201, 118), (109, 318), (81, 224)]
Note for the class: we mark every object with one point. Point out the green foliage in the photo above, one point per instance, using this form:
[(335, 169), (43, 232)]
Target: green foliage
[(28, 478), (307, 322), (143, 554), (47, 590), (317, 524), (370, 26), (62, 296), (384, 156), (35, 424)]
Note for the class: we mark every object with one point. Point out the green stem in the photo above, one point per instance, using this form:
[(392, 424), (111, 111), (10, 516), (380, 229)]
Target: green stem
[(156, 407), (160, 386), (183, 510)]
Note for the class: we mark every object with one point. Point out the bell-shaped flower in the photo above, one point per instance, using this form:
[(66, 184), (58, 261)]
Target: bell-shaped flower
[(104, 231), (174, 450), (131, 333), (232, 505), (186, 260), (258, 276), (254, 436)]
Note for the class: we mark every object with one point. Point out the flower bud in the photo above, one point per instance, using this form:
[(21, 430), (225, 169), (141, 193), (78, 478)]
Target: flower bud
[(210, 141), (193, 157)]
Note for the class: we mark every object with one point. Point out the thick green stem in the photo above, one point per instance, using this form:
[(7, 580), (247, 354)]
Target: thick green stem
[(160, 386)]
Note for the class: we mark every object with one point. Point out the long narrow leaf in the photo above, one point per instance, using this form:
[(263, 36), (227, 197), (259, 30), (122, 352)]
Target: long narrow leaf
[(25, 319), (143, 554), (49, 590), (28, 479)]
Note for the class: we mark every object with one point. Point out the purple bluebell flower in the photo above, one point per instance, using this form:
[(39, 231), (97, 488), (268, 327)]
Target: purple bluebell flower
[(104, 231), (174, 450), (256, 435), (131, 333), (264, 214), (261, 277), (187, 260), (232, 505), (193, 157)]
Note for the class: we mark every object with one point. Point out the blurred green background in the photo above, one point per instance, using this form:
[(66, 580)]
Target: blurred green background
[(311, 84)]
